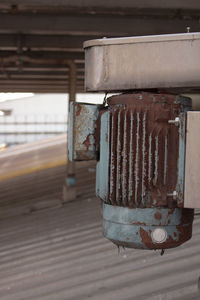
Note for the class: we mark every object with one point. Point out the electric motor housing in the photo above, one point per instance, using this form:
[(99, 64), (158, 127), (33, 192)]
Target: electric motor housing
[(138, 140)]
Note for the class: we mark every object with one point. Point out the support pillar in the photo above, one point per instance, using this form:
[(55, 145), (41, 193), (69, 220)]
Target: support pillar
[(69, 189)]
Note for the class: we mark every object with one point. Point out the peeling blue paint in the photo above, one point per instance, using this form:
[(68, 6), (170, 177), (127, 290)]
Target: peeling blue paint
[(70, 181), (103, 164), (81, 140), (123, 225)]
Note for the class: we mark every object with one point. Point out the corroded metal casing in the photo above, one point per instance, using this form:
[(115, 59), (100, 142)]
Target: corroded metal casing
[(142, 151), (139, 142), (81, 141), (147, 228), (140, 173)]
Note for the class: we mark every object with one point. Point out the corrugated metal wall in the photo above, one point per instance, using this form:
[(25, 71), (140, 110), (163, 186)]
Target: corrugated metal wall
[(57, 252), (60, 254)]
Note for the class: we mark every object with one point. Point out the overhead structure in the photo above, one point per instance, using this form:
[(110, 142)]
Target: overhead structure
[(39, 37)]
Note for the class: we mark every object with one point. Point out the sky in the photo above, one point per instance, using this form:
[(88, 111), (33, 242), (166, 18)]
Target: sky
[(11, 96), (90, 98)]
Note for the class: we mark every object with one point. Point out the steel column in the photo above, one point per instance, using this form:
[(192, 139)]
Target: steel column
[(69, 190)]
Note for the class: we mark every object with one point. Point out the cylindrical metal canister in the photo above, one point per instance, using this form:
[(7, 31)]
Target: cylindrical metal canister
[(147, 228), (143, 143)]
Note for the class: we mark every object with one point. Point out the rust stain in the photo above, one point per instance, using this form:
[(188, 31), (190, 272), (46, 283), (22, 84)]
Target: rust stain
[(170, 211), (78, 109), (146, 239), (139, 223), (87, 142), (169, 243), (184, 230), (158, 216), (180, 204)]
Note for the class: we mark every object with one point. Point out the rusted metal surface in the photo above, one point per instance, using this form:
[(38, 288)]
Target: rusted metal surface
[(144, 149), (82, 131), (140, 173), (147, 228), (139, 142)]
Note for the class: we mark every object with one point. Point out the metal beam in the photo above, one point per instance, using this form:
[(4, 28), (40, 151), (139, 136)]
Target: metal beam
[(95, 5), (43, 55), (40, 82), (32, 68), (93, 24), (38, 88), (31, 76), (45, 42), (38, 38)]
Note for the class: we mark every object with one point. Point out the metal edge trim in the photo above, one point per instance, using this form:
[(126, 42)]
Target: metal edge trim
[(142, 39)]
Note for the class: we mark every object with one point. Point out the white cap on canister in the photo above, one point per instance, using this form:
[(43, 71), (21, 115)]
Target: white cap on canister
[(159, 235)]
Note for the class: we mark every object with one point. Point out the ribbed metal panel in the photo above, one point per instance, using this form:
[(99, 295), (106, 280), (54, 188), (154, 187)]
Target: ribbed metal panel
[(143, 149), (138, 158), (60, 254)]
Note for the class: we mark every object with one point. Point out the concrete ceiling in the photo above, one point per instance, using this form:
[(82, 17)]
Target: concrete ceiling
[(39, 37)]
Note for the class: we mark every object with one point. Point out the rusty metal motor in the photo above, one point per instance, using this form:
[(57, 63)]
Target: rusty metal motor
[(138, 137), (140, 173), (138, 140)]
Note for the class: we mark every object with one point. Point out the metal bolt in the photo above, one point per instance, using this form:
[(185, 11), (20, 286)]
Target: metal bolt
[(173, 195), (176, 122), (188, 29)]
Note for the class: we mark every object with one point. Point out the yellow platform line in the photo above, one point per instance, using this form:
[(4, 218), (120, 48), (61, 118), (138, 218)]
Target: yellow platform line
[(33, 169)]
